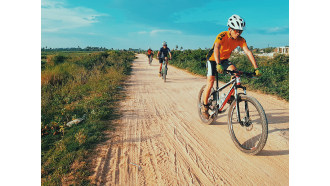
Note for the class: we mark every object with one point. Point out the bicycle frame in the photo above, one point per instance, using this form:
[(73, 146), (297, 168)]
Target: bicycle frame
[(233, 90)]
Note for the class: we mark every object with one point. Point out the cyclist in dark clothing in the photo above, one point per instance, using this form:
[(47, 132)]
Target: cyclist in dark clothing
[(162, 55)]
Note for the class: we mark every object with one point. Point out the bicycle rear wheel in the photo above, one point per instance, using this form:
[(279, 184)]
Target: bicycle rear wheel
[(211, 110), (250, 135)]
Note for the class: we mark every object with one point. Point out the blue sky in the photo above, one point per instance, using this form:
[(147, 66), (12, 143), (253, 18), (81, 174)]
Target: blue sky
[(123, 24)]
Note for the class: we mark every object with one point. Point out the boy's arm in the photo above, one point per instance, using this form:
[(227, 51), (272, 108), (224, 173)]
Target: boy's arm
[(217, 52), (250, 56)]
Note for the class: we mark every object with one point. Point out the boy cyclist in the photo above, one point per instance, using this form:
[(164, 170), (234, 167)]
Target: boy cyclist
[(150, 53), (164, 51), (218, 56)]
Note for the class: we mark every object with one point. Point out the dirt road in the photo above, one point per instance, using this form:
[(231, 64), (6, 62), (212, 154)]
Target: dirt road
[(161, 140)]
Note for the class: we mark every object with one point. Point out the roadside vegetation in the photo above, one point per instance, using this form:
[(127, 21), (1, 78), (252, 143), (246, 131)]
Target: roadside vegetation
[(275, 78), (77, 85)]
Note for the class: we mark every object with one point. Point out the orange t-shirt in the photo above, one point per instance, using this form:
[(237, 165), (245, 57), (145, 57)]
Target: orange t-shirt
[(227, 45)]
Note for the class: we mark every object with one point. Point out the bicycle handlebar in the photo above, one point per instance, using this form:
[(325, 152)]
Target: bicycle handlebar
[(164, 58), (247, 74)]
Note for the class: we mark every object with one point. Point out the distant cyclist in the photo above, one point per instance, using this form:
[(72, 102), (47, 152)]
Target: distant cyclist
[(150, 53), (162, 55), (217, 58)]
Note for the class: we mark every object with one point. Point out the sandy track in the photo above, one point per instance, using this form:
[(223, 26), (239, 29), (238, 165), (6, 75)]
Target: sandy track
[(160, 139)]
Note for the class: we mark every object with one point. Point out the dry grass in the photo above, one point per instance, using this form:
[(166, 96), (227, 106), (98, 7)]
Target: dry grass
[(72, 86)]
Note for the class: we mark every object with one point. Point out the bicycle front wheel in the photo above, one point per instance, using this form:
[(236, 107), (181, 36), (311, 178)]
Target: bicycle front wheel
[(249, 135), (164, 72)]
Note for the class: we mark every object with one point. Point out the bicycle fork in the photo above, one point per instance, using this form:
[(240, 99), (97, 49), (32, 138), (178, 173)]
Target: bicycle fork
[(246, 120)]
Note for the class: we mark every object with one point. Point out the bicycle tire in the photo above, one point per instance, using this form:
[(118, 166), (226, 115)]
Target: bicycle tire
[(257, 116), (199, 106), (164, 72)]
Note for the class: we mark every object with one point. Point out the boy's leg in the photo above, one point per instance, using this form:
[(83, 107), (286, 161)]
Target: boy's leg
[(207, 91), (206, 94), (211, 72), (231, 67), (160, 67), (226, 64)]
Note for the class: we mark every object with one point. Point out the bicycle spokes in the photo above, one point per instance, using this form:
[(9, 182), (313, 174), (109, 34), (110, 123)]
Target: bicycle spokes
[(246, 125)]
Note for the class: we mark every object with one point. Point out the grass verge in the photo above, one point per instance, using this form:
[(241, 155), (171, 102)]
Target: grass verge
[(77, 86)]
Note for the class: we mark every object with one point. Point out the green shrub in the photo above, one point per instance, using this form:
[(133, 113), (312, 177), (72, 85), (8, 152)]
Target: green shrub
[(275, 78)]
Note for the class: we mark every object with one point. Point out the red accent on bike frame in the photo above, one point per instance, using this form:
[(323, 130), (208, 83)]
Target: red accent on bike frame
[(227, 98), (239, 82)]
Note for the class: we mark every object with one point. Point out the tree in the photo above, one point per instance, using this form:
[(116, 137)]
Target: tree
[(269, 49)]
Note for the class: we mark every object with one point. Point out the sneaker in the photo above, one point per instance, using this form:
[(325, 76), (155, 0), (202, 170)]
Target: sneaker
[(205, 112)]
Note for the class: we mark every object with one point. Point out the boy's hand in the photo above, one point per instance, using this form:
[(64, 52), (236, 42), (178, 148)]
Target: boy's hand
[(219, 68), (257, 71)]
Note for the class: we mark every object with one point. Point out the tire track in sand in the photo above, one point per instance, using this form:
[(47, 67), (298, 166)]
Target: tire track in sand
[(160, 131)]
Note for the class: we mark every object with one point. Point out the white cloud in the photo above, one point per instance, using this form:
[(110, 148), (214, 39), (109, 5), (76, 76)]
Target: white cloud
[(142, 32), (156, 31), (56, 17), (271, 31)]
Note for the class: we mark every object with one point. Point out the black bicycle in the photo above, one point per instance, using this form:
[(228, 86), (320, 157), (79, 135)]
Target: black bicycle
[(164, 69), (247, 121)]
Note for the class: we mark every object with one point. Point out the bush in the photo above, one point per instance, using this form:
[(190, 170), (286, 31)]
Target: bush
[(53, 60), (275, 78)]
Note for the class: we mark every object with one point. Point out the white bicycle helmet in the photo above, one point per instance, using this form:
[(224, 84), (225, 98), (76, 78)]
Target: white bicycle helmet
[(164, 43), (236, 22)]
